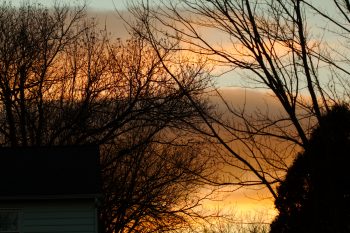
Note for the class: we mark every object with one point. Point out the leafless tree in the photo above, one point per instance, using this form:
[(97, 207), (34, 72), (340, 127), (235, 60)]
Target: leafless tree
[(64, 81), (235, 223), (156, 188), (295, 50)]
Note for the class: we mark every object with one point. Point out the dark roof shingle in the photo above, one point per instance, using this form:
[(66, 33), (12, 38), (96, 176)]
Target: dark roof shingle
[(49, 171)]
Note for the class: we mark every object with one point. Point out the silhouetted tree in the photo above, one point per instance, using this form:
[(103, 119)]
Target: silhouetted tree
[(293, 50), (153, 189), (64, 81), (315, 195)]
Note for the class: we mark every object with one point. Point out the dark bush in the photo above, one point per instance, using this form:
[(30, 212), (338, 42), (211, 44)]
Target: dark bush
[(315, 195)]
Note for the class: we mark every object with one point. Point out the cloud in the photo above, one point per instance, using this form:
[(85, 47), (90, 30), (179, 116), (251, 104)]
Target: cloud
[(112, 21)]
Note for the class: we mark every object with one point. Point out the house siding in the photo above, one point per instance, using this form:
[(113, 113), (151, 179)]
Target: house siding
[(55, 216)]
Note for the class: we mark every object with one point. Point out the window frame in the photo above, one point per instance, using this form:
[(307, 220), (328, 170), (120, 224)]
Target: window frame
[(19, 219)]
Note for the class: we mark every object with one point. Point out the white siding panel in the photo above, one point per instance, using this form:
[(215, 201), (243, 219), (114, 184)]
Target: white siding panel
[(68, 214), (57, 217), (59, 229)]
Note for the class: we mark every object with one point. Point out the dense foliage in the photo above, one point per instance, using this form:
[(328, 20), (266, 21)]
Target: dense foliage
[(315, 195)]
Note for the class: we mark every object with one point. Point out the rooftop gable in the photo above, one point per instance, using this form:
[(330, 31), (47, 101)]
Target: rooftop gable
[(49, 171)]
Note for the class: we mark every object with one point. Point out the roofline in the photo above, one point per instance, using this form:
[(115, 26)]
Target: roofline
[(51, 197)]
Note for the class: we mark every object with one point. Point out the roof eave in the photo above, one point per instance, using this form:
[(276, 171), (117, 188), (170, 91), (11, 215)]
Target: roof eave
[(51, 197)]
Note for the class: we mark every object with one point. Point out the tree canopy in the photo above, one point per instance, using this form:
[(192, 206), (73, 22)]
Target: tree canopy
[(315, 195), (64, 80), (295, 51)]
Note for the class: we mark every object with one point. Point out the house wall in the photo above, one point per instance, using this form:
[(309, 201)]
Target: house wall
[(72, 216)]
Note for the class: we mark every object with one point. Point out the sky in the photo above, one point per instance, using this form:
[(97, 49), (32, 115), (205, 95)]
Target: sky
[(93, 4), (103, 11)]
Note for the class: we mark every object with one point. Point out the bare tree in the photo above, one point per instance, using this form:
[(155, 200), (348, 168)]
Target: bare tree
[(63, 81), (154, 188), (295, 50)]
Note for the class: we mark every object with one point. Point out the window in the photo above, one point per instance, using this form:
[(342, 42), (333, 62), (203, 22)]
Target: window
[(9, 221)]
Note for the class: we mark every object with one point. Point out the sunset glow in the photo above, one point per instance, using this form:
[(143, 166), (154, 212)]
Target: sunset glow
[(209, 116)]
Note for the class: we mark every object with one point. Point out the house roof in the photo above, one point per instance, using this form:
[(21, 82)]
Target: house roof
[(49, 172)]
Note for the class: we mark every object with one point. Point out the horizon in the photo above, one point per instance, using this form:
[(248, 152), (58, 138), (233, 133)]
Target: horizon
[(243, 201), (252, 101)]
